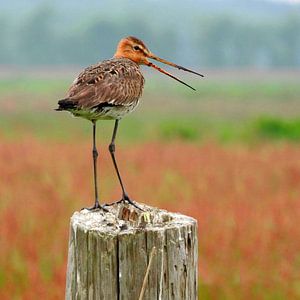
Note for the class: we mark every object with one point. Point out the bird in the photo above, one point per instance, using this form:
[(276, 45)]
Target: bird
[(109, 90)]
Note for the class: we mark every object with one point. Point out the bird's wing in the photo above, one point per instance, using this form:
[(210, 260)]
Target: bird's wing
[(115, 82)]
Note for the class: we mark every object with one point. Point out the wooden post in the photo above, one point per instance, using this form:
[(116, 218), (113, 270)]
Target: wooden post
[(132, 255)]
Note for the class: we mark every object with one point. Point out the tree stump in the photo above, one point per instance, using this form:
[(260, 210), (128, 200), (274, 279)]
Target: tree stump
[(130, 254)]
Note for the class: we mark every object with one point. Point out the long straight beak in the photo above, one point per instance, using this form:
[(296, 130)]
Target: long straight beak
[(173, 65), (150, 64)]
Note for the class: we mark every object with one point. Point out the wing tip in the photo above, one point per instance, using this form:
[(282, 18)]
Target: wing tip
[(65, 104)]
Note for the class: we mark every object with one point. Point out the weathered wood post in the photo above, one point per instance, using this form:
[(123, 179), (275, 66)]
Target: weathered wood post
[(132, 255)]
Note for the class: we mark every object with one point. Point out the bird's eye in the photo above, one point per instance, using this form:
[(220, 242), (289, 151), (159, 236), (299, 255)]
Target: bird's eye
[(136, 48)]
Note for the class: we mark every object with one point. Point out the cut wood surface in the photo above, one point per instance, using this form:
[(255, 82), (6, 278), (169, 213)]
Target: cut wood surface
[(131, 254)]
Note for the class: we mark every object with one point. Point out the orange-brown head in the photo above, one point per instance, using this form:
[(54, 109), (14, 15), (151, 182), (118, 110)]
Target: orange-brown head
[(135, 50)]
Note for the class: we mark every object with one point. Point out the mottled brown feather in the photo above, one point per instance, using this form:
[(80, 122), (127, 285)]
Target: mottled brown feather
[(116, 81)]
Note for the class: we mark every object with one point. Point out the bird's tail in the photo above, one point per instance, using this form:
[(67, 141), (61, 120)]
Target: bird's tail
[(65, 104)]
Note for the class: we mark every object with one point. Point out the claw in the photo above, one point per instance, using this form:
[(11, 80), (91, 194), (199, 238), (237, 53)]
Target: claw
[(96, 207), (124, 200)]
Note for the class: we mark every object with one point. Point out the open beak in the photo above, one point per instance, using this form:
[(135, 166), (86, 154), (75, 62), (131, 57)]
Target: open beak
[(150, 64)]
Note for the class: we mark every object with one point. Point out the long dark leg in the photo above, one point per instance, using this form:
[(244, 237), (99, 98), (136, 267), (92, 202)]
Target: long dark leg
[(112, 149), (95, 156)]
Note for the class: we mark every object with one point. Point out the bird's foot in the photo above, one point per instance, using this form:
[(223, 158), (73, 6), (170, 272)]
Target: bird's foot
[(125, 199), (96, 206)]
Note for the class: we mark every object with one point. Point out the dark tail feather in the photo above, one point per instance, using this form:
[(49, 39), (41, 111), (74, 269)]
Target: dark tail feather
[(65, 104)]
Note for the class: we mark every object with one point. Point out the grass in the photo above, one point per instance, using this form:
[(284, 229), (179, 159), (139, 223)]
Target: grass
[(222, 110), (277, 129)]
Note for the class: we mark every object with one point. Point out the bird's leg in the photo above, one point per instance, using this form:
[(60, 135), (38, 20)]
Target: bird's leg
[(112, 149), (95, 156)]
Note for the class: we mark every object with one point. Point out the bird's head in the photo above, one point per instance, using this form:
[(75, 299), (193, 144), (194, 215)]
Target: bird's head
[(135, 50)]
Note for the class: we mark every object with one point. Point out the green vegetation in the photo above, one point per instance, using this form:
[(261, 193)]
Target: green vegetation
[(274, 128), (228, 111)]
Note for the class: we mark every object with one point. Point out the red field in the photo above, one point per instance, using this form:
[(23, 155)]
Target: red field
[(246, 200)]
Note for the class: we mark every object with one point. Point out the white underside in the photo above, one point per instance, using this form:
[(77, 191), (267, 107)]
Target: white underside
[(106, 113)]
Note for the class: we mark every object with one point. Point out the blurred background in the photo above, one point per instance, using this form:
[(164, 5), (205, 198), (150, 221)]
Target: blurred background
[(227, 154)]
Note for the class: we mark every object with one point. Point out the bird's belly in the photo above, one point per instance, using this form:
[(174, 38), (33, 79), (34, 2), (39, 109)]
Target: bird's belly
[(105, 113)]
